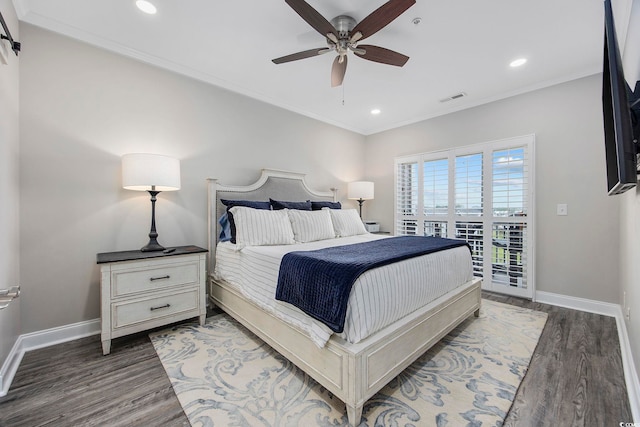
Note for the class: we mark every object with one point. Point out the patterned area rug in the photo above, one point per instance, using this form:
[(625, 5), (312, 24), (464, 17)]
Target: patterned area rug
[(224, 375)]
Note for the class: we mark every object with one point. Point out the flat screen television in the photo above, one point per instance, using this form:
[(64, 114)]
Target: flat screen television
[(619, 116)]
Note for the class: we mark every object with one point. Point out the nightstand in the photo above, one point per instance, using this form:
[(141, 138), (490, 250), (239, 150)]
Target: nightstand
[(144, 290)]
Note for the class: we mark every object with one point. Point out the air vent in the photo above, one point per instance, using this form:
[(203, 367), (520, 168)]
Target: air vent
[(452, 97)]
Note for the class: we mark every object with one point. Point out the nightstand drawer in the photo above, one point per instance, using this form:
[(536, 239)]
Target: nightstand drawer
[(129, 313), (144, 279)]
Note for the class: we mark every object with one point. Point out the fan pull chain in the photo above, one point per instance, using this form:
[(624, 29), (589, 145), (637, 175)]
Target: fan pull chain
[(343, 94)]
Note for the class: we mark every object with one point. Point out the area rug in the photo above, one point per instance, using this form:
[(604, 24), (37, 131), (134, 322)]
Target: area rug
[(224, 375)]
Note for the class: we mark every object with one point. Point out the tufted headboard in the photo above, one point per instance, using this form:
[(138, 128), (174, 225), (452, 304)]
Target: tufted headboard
[(275, 184)]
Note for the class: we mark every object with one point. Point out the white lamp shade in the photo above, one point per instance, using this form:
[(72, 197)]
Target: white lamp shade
[(360, 190), (150, 172)]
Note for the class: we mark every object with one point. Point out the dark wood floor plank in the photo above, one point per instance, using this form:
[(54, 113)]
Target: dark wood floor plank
[(575, 379)]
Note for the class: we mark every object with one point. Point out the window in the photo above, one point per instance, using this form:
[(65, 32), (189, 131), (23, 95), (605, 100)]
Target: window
[(480, 194)]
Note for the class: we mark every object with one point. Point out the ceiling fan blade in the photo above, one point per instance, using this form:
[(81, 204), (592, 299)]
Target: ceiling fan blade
[(312, 16), (382, 55), (301, 55), (338, 70), (381, 17)]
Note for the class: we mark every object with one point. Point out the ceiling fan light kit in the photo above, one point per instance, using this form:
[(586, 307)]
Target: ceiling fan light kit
[(344, 33)]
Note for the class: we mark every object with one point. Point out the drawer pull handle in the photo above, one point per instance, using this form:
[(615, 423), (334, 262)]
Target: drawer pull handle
[(160, 307), (160, 278)]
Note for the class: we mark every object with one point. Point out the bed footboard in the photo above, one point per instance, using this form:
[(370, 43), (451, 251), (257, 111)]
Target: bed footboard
[(355, 372)]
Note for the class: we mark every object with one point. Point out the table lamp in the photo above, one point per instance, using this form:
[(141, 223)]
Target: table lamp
[(360, 191), (153, 173)]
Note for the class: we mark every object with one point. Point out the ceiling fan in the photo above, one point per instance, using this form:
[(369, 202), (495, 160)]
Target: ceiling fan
[(343, 34)]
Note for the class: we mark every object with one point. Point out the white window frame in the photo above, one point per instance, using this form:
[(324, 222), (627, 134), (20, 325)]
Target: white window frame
[(487, 149)]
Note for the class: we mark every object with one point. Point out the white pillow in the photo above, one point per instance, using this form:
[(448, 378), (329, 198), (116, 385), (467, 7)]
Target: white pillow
[(347, 222), (309, 226), (260, 227)]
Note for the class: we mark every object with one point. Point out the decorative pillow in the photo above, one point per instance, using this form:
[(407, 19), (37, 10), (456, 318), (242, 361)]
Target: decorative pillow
[(225, 228), (277, 205), (346, 222), (261, 227), (309, 226), (316, 206), (247, 203)]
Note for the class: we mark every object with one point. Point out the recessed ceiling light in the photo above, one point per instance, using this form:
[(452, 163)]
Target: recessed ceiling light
[(146, 7), (375, 111), (518, 62)]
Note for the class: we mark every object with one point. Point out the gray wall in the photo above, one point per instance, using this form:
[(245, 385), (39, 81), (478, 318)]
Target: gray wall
[(630, 237), (9, 219), (576, 255), (82, 108), (630, 211)]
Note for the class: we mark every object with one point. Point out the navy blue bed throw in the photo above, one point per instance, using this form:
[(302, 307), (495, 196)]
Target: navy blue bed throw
[(319, 282)]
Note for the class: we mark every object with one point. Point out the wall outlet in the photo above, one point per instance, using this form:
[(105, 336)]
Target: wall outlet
[(628, 313)]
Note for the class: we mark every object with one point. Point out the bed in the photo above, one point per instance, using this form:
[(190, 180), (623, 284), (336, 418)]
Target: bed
[(352, 371)]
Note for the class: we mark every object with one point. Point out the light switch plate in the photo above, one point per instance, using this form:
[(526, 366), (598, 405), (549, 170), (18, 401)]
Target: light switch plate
[(562, 209)]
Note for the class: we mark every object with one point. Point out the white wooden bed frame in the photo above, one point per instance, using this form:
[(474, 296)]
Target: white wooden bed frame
[(352, 372)]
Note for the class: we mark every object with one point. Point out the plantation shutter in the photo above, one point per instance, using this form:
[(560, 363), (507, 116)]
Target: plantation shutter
[(510, 243), (469, 208), (407, 198), (469, 184), (436, 197)]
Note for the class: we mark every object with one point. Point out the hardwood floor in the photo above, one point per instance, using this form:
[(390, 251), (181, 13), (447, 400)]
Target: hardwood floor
[(575, 379)]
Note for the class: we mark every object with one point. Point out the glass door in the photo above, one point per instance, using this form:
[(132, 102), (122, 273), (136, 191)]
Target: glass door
[(481, 194)]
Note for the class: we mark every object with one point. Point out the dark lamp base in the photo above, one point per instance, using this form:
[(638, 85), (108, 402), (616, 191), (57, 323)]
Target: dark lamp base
[(152, 246)]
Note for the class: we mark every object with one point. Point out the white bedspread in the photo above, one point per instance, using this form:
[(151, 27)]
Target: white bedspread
[(378, 297)]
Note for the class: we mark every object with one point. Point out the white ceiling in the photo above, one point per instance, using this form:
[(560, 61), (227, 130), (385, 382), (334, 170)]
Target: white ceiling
[(460, 46)]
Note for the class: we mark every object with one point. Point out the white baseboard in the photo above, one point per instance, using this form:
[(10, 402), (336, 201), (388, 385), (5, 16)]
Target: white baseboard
[(612, 310), (40, 339), (630, 372), (575, 303), (10, 367), (53, 336)]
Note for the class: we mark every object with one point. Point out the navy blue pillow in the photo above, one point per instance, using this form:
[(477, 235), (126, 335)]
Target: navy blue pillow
[(316, 206), (277, 205), (246, 203)]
